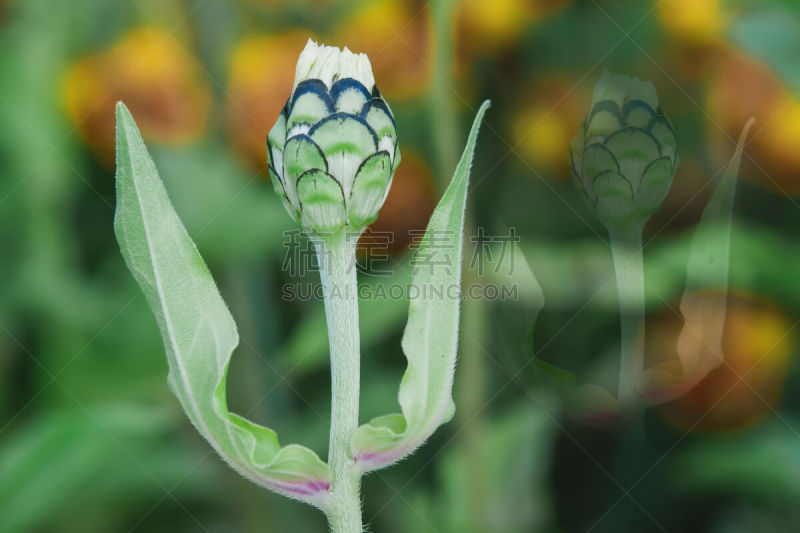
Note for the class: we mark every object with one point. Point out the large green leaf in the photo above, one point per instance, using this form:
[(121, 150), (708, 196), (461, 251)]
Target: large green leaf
[(198, 331), (704, 300), (430, 340)]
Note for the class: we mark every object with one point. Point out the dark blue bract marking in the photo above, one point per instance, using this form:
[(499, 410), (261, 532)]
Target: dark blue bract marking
[(346, 84), (632, 105), (365, 161), (653, 163), (274, 173), (316, 87), (304, 174), (606, 105), (603, 147), (614, 173), (630, 129), (380, 104), (306, 138), (271, 147), (342, 117), (661, 118)]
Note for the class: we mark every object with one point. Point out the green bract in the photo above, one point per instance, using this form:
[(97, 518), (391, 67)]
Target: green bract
[(625, 154), (333, 150)]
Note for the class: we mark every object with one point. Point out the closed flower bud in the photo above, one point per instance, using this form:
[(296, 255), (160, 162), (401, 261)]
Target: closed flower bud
[(625, 155), (333, 151)]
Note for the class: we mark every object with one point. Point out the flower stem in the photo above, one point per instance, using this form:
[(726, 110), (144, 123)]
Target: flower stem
[(629, 272), (336, 257)]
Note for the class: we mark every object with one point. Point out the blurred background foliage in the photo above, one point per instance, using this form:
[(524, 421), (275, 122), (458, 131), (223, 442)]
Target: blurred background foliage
[(92, 440)]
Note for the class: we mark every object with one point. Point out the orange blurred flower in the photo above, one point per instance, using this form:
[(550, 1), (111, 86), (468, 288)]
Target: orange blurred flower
[(548, 115), (397, 37), (742, 88), (261, 77), (156, 79), (408, 207), (748, 384)]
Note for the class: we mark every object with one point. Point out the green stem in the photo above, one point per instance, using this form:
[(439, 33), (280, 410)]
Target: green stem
[(629, 271), (336, 257), (471, 388), (444, 121)]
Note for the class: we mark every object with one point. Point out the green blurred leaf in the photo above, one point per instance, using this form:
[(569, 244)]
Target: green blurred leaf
[(773, 36), (229, 213), (60, 458), (704, 301), (762, 464), (514, 451)]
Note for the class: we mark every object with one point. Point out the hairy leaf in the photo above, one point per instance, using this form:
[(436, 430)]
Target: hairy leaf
[(430, 340), (704, 300), (198, 331)]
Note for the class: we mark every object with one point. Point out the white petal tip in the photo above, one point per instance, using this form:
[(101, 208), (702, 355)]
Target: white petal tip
[(329, 63)]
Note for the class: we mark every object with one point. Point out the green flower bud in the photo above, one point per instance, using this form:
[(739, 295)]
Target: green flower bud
[(333, 151), (625, 154)]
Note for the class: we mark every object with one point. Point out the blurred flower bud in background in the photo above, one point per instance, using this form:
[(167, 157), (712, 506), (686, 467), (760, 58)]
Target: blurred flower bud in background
[(743, 87), (408, 207), (397, 37), (547, 115), (333, 150), (260, 78), (748, 384), (153, 75), (624, 156)]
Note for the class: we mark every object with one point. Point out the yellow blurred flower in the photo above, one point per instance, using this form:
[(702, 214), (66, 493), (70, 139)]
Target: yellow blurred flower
[(696, 32), (283, 3), (397, 37), (491, 26), (261, 76), (548, 115), (742, 88), (748, 384), (692, 21), (153, 75), (411, 200)]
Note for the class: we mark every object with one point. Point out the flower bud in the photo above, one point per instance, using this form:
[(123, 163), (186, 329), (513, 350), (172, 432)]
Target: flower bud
[(333, 151), (625, 155)]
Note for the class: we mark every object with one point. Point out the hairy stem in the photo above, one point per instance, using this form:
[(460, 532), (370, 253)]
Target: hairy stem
[(629, 271), (336, 257)]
